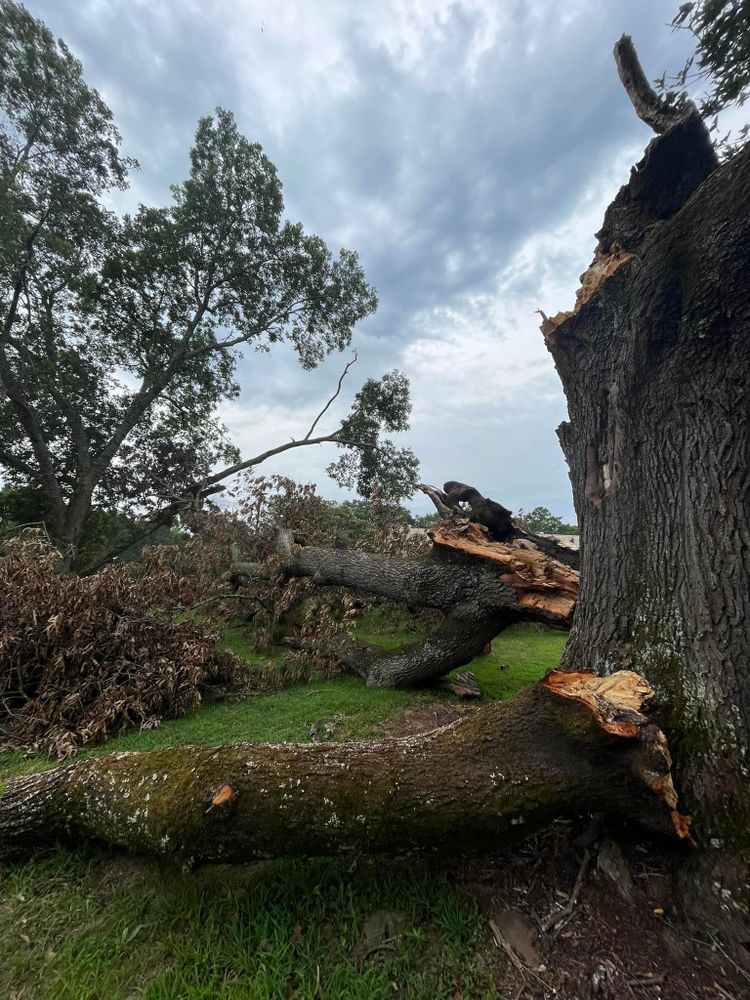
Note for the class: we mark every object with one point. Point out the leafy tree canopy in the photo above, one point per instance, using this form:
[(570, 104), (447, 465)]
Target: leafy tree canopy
[(120, 334), (722, 56), (543, 521)]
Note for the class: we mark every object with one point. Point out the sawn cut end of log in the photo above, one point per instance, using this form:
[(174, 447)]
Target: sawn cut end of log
[(571, 744)]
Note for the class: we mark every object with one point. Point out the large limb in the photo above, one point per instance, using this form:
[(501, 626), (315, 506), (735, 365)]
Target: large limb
[(458, 500), (571, 744), (674, 166), (480, 585)]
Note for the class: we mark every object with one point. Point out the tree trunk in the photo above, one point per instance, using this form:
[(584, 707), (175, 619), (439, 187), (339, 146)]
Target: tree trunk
[(656, 371), (481, 585), (569, 744)]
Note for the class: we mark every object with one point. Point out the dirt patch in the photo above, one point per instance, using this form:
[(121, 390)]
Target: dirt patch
[(623, 937), (608, 947), (422, 719)]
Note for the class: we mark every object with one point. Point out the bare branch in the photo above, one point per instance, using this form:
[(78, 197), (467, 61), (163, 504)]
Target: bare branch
[(651, 109), (224, 345), (439, 499), (334, 437), (257, 459), (333, 397)]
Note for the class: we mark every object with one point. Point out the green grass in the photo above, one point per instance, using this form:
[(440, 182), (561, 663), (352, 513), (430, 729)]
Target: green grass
[(280, 717), (520, 655), (528, 651), (83, 925), (93, 925)]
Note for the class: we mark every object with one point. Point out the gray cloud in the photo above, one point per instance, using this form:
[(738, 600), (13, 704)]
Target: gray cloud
[(466, 149)]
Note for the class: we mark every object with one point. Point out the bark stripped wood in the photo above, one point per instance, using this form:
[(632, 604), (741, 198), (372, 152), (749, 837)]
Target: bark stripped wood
[(656, 112), (457, 500), (538, 581), (490, 778), (604, 266), (439, 500), (480, 585)]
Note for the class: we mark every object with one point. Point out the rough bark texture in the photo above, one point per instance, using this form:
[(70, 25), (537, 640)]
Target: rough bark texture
[(481, 585), (569, 744), (656, 371)]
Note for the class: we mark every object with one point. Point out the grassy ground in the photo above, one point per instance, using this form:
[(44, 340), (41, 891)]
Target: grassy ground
[(96, 925)]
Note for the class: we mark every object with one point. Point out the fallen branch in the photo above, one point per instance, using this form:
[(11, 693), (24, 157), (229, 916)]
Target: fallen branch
[(481, 585), (569, 744)]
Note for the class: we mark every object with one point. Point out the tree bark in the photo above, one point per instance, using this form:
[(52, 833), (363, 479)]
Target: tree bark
[(656, 371), (482, 587), (569, 744)]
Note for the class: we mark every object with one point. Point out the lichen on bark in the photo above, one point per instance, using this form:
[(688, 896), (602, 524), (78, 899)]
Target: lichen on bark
[(489, 778)]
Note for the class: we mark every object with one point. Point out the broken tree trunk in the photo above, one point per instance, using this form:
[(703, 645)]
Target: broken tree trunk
[(571, 743), (655, 364), (457, 500), (482, 586)]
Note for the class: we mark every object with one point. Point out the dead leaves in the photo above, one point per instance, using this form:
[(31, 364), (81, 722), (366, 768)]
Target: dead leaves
[(83, 658)]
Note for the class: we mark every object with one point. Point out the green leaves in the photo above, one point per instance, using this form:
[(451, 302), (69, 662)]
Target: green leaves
[(54, 123), (381, 404), (722, 59), (121, 335)]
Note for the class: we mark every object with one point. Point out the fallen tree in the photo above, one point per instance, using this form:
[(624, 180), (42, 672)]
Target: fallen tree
[(573, 742), (481, 585)]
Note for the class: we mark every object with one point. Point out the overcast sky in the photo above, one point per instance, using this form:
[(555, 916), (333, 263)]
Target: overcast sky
[(465, 149)]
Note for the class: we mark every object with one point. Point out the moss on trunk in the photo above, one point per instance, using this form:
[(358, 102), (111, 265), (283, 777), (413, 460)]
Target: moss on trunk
[(488, 779)]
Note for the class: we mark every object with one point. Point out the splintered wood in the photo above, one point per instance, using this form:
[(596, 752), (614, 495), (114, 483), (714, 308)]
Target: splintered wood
[(539, 581), (604, 265), (617, 703), (610, 697)]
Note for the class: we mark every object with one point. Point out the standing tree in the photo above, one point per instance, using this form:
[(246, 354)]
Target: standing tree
[(119, 335), (541, 519), (655, 363)]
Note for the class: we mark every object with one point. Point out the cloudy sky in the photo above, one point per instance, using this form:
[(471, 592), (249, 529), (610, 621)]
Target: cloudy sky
[(465, 148)]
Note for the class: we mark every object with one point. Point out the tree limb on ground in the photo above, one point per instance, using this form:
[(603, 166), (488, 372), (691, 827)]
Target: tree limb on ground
[(481, 585), (571, 743)]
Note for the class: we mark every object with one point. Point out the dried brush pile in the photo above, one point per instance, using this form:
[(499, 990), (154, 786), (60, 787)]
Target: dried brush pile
[(83, 658)]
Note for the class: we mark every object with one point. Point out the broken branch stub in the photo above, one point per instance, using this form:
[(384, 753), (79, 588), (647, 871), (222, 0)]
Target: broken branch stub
[(656, 112), (676, 162), (538, 581)]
